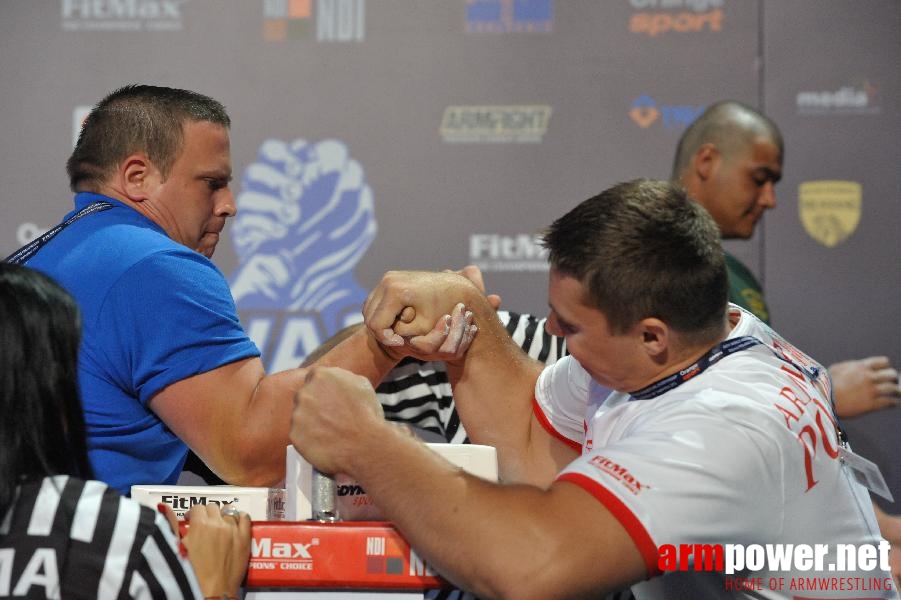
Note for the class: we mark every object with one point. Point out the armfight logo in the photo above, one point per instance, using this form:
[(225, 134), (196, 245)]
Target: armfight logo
[(657, 17), (518, 124), (322, 20), (509, 16), (121, 15), (305, 218)]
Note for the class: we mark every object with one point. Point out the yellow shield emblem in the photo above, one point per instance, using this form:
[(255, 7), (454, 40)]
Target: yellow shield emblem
[(830, 209)]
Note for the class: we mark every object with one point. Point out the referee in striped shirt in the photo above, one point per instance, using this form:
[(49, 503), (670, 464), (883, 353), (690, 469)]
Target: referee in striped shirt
[(63, 535)]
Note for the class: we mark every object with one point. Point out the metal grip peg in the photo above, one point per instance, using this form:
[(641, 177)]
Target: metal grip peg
[(324, 498)]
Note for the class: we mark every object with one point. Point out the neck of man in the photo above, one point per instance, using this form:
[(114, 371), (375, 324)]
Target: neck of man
[(681, 356)]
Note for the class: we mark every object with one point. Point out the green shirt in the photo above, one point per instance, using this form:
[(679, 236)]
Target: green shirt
[(745, 290)]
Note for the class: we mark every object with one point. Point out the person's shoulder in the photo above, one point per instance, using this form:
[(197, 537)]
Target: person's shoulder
[(80, 498)]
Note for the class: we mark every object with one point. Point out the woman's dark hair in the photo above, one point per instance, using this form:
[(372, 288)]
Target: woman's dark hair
[(42, 428)]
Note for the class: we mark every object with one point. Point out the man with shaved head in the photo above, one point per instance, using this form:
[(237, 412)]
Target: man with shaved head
[(729, 161)]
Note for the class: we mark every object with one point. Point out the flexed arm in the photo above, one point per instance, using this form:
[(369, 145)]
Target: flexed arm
[(494, 382)]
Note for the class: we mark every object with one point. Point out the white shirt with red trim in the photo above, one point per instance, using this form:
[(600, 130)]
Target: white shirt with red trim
[(745, 453)]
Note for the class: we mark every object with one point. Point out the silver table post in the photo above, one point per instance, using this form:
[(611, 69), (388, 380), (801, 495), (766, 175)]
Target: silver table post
[(324, 498)]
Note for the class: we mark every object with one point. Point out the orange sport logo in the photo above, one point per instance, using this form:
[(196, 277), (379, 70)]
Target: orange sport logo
[(657, 17)]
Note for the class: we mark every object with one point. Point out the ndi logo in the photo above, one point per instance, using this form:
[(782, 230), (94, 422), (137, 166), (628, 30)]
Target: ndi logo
[(645, 111), (332, 20), (121, 15), (849, 99), (496, 252)]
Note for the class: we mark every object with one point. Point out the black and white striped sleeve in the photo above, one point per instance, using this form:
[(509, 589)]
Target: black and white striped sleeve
[(419, 393), (90, 542)]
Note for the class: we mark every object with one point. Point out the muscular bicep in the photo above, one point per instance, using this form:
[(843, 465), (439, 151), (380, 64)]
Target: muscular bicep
[(549, 453), (604, 553), (560, 542), (234, 417)]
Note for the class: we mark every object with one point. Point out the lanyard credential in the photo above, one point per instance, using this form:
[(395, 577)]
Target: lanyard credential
[(864, 471), (714, 355), (28, 250)]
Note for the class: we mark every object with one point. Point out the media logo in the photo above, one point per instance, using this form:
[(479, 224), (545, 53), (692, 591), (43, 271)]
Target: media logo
[(645, 112), (657, 17), (121, 15), (322, 20), (848, 100), (500, 253), (495, 124), (306, 217), (509, 16), (830, 210)]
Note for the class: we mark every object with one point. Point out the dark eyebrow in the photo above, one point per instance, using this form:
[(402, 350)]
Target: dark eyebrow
[(771, 175), (560, 320)]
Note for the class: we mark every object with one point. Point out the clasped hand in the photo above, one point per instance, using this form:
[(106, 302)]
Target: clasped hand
[(424, 314)]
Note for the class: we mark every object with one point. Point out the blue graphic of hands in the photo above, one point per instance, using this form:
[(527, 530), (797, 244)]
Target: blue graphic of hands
[(305, 217)]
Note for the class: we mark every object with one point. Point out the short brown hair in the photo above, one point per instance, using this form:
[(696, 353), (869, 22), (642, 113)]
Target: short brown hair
[(137, 118)]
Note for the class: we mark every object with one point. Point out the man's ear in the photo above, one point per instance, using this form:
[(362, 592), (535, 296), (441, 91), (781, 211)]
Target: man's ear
[(655, 338), (705, 161), (136, 176)]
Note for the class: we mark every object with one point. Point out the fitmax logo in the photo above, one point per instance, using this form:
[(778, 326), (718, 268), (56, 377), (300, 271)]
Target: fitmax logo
[(619, 472), (266, 548), (122, 9), (183, 502), (499, 247), (495, 252)]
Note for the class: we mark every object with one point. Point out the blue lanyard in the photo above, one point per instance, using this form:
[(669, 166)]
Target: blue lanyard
[(25, 252), (719, 352), (713, 356)]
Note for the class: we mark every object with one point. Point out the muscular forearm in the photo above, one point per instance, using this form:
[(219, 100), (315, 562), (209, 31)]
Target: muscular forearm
[(493, 390), (268, 422), (360, 353), (530, 541), (237, 419)]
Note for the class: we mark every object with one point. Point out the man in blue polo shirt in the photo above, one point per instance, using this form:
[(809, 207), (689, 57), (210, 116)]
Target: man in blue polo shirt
[(165, 364)]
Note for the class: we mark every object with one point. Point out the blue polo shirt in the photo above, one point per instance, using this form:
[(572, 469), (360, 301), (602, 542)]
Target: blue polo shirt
[(153, 312)]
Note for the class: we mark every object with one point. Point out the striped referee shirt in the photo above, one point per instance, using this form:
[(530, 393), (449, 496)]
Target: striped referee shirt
[(68, 538), (419, 393)]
